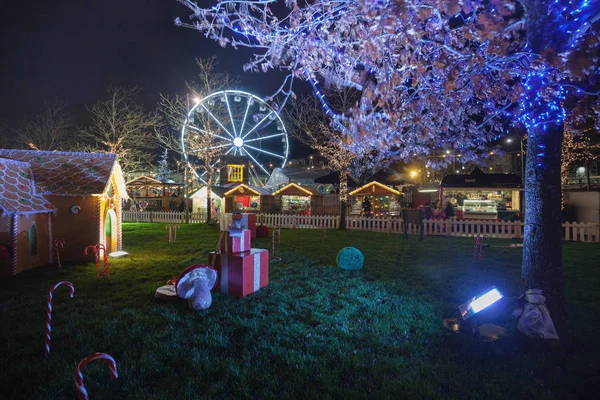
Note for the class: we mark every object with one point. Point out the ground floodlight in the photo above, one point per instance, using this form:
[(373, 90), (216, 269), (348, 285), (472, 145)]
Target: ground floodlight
[(118, 254), (480, 302)]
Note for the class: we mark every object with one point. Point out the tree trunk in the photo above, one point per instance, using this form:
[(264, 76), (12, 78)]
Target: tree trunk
[(343, 197), (208, 197), (542, 252)]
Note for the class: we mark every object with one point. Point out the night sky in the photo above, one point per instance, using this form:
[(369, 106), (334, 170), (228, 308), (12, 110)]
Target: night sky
[(73, 49)]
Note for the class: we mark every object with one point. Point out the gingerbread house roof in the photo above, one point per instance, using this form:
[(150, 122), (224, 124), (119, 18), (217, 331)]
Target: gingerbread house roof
[(70, 174), (17, 190)]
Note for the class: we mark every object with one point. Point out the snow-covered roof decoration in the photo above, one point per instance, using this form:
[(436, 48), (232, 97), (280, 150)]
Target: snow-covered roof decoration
[(17, 190), (70, 174)]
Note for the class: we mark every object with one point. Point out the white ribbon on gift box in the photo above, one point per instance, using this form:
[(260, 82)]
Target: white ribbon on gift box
[(256, 271)]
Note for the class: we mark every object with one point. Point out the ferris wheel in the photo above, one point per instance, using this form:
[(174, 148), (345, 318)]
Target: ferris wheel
[(236, 123)]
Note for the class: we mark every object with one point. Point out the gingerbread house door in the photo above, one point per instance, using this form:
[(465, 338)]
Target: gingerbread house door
[(111, 231)]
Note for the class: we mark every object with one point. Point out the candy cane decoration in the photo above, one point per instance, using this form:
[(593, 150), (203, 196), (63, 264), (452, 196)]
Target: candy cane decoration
[(172, 232), (59, 243), (49, 312), (96, 254), (96, 249), (99, 247), (273, 242), (82, 393), (278, 234)]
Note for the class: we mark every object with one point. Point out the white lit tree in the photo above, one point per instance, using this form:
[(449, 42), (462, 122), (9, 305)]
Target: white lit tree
[(437, 74), (204, 147)]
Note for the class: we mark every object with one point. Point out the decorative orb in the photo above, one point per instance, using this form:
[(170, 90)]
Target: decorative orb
[(262, 231), (350, 258)]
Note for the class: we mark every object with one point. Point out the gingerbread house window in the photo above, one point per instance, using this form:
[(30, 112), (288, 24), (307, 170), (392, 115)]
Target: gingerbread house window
[(33, 240), (235, 173)]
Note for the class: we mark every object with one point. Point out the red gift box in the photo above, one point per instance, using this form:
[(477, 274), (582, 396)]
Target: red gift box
[(241, 274), (235, 244), (248, 222)]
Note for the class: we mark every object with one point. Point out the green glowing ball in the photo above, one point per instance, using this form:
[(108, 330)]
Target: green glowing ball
[(350, 258)]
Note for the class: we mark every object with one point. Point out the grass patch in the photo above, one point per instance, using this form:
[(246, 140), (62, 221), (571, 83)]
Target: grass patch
[(314, 332)]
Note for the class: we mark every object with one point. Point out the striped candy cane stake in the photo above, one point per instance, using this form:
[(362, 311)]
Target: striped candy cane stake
[(59, 243), (49, 312), (278, 234), (273, 242), (95, 250), (99, 247), (475, 246), (169, 228), (82, 393)]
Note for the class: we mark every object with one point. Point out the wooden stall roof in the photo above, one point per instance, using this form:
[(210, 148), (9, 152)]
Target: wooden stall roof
[(150, 181), (292, 189), (374, 188), (242, 189)]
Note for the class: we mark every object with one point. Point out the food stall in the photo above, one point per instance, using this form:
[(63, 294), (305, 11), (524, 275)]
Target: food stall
[(483, 196), (298, 200), (244, 198), (375, 200)]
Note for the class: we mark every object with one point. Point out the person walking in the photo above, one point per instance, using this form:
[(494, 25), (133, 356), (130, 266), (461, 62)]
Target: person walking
[(449, 211)]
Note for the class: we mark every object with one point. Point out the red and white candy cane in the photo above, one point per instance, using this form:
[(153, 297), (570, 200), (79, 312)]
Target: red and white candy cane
[(278, 234), (95, 250), (82, 393), (99, 247), (59, 243), (49, 312), (273, 242)]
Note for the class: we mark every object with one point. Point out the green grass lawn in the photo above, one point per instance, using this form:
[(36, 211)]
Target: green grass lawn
[(315, 331)]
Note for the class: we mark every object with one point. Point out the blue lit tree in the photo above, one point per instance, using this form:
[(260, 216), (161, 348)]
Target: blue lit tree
[(436, 74)]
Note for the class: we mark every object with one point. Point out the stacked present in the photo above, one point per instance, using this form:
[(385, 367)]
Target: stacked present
[(242, 269), (248, 221)]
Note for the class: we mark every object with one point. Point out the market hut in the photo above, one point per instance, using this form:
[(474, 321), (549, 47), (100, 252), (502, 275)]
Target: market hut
[(375, 200), (483, 196), (240, 197), (217, 198), (298, 200), (155, 193)]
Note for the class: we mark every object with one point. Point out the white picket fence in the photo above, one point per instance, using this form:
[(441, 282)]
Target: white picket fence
[(162, 216), (572, 231)]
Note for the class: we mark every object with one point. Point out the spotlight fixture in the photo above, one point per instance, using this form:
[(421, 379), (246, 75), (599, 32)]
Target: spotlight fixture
[(480, 302)]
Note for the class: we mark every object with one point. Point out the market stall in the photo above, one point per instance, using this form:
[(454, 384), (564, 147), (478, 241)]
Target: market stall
[(298, 200), (243, 198), (217, 198), (155, 194), (375, 200), (483, 196)]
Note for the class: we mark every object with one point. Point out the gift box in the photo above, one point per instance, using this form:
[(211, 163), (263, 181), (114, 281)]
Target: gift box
[(241, 274), (235, 241), (248, 221)]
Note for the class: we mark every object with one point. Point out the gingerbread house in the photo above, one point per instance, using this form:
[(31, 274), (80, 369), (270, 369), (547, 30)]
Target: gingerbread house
[(47, 195)]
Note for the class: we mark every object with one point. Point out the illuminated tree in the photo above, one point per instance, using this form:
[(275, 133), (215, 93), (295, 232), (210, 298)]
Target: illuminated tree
[(437, 74), (204, 146), (311, 126)]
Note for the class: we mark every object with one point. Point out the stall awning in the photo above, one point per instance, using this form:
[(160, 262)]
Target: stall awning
[(479, 179), (374, 188), (296, 190)]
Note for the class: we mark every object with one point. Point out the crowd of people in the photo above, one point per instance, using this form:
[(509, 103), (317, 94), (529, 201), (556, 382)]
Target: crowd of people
[(431, 211)]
